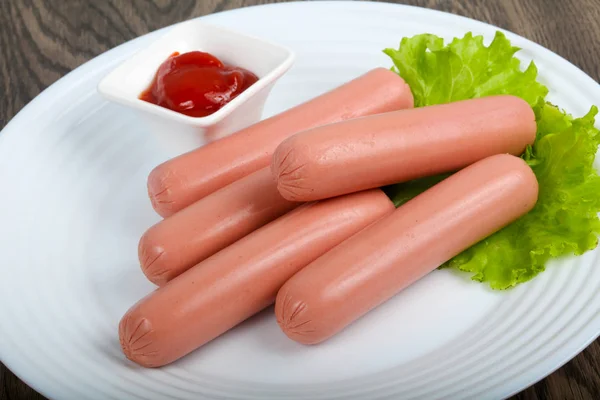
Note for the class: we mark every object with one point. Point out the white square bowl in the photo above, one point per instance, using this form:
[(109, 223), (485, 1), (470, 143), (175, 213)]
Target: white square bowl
[(179, 133)]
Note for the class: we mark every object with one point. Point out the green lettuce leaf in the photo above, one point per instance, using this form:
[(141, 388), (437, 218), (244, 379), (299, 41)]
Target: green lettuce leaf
[(565, 219), (464, 69)]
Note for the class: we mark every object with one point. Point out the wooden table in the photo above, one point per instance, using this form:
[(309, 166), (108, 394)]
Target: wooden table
[(42, 40)]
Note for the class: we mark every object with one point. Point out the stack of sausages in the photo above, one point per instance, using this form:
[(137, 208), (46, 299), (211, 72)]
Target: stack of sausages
[(289, 211)]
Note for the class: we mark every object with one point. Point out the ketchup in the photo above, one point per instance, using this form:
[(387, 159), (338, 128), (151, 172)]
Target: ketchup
[(196, 84)]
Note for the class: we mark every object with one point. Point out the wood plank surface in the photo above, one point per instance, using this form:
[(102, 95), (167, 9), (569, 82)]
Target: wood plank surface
[(42, 40)]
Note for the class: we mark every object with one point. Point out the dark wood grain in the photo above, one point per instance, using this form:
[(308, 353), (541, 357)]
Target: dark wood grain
[(42, 40)]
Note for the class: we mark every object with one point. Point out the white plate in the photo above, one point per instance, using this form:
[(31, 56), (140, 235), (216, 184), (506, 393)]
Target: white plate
[(74, 205)]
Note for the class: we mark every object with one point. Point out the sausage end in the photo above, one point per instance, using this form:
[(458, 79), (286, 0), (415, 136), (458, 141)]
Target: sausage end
[(136, 338), (289, 166), (529, 184), (523, 117), (160, 184), (293, 317), (153, 260), (399, 93)]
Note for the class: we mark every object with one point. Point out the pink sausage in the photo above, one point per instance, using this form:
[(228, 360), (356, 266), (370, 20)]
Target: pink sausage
[(187, 237), (242, 279), (399, 146), (381, 260), (189, 177)]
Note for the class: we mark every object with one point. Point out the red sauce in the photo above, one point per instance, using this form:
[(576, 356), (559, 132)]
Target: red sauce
[(196, 84)]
